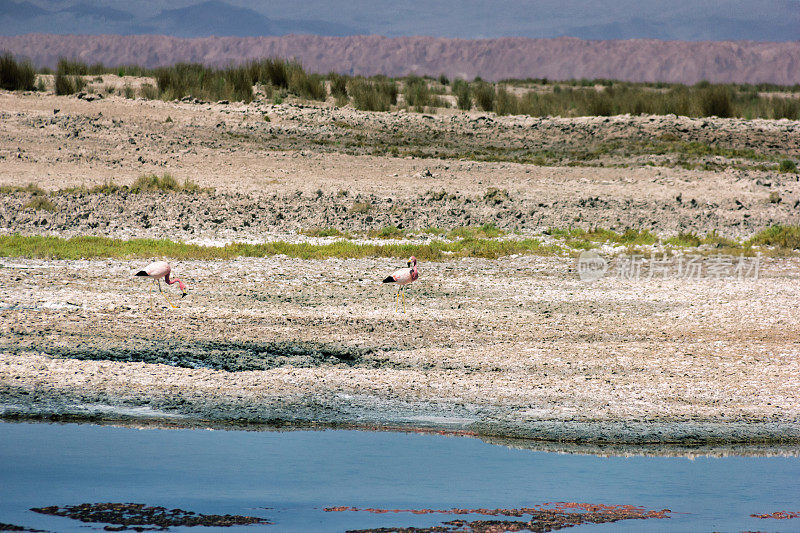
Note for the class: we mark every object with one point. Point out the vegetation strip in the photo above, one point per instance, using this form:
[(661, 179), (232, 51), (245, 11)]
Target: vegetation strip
[(45, 247), (475, 243), (278, 78)]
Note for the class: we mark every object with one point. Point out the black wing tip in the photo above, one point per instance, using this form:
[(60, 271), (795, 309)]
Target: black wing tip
[(141, 273), (389, 279)]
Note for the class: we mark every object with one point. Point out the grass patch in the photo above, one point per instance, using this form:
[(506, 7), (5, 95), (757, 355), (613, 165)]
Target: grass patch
[(582, 239), (40, 203), (360, 208), (144, 183), (688, 240), (199, 81), (787, 165), (388, 232), (16, 75), (463, 94), (30, 188), (372, 95), (783, 237), (100, 247), (165, 183), (323, 232)]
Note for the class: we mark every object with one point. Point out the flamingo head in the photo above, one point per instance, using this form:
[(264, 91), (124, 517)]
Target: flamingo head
[(412, 261), (182, 286)]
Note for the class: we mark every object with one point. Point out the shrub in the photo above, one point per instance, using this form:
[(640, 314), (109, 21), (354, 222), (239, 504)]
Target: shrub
[(787, 165), (16, 76), (785, 108), (338, 85), (190, 79), (372, 95), (787, 237), (273, 71), (149, 91), (416, 93), (715, 100), (310, 86), (40, 203), (506, 103), (64, 84), (484, 96), (68, 78), (72, 67), (463, 95), (165, 183)]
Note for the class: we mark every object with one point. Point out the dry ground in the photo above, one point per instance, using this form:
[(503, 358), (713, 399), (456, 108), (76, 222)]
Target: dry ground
[(518, 346), (513, 347)]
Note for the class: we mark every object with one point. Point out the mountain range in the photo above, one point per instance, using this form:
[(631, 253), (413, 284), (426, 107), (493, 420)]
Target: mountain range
[(689, 20), (493, 59), (203, 19)]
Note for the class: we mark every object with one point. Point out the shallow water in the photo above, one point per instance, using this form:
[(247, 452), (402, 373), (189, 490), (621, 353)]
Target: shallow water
[(289, 478)]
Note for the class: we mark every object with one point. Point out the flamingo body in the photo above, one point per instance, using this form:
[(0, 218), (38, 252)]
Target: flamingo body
[(158, 270), (403, 277)]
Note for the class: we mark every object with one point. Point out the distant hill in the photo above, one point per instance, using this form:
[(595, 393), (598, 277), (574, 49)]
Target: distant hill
[(683, 20), (212, 17), (492, 59)]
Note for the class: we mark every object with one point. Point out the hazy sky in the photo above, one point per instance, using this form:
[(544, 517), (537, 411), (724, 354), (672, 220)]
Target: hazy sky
[(774, 20)]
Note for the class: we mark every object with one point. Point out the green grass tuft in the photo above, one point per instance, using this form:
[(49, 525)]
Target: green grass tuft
[(689, 240), (323, 232), (40, 203), (784, 237), (360, 208), (388, 232), (16, 76), (30, 188), (165, 183), (787, 165)]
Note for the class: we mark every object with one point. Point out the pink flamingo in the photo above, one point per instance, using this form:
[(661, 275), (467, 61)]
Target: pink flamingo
[(403, 277), (158, 270)]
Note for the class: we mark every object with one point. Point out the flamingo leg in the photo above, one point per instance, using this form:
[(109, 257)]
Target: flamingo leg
[(404, 299), (165, 296), (150, 297)]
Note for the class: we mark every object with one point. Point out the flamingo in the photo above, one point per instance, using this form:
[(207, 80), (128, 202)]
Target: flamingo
[(158, 270), (403, 277)]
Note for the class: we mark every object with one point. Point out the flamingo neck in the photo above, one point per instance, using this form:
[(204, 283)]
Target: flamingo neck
[(173, 281)]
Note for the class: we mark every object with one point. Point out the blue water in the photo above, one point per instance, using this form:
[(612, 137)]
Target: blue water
[(289, 477)]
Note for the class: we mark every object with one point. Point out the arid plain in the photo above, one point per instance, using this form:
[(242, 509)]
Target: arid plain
[(513, 346)]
